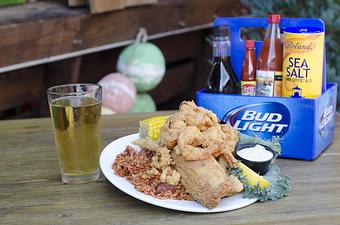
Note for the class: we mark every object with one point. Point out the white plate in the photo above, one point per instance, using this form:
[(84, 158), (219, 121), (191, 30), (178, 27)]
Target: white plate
[(118, 146)]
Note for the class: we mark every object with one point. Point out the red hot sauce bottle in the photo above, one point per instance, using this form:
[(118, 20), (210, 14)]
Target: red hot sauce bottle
[(248, 77), (269, 63), (222, 78)]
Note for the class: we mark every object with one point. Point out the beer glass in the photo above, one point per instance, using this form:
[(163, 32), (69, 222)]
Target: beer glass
[(76, 116)]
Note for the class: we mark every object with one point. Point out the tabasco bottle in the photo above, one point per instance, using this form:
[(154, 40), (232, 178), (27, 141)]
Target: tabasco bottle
[(222, 77), (269, 62), (248, 75)]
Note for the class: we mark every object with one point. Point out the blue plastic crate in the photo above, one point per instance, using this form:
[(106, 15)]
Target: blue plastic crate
[(305, 126)]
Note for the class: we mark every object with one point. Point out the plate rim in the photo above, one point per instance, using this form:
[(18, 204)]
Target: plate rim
[(119, 182)]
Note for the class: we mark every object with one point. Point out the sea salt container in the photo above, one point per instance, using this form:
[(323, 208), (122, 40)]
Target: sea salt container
[(304, 126)]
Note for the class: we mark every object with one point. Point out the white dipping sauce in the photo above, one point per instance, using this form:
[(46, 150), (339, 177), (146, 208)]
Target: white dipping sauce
[(257, 153)]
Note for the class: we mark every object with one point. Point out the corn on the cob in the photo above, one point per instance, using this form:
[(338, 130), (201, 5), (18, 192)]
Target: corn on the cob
[(151, 127)]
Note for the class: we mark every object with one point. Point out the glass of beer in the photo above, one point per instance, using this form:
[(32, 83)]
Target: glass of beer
[(76, 117)]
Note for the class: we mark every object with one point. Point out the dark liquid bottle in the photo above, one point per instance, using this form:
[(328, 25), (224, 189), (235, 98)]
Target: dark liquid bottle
[(222, 77)]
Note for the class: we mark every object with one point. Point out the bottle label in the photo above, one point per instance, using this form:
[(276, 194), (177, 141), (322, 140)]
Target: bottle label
[(303, 64), (248, 87), (278, 83), (265, 83)]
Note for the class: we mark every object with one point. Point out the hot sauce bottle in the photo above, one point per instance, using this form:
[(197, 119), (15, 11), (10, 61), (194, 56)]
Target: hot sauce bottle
[(248, 75), (269, 63), (222, 77)]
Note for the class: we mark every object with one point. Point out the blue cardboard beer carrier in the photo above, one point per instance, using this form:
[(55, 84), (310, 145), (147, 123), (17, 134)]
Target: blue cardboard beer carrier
[(304, 126)]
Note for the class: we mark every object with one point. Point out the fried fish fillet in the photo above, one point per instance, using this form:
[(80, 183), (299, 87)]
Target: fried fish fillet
[(206, 180)]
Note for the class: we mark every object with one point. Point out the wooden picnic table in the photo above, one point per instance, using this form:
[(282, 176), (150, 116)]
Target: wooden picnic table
[(31, 191)]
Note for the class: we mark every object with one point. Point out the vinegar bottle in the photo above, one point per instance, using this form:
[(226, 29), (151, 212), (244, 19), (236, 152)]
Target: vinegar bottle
[(269, 63), (248, 75), (222, 77)]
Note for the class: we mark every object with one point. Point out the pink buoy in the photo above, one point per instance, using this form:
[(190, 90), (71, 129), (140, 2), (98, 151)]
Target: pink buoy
[(119, 92)]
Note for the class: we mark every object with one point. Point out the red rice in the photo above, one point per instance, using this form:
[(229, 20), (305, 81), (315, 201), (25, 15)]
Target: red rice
[(133, 164)]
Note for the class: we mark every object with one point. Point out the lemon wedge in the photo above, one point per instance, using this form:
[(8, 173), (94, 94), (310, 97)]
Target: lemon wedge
[(252, 177)]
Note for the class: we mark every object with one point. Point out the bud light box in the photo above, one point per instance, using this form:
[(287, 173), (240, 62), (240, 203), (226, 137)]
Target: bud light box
[(305, 126)]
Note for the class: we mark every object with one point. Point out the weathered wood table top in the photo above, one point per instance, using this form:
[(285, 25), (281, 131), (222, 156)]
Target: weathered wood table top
[(31, 191)]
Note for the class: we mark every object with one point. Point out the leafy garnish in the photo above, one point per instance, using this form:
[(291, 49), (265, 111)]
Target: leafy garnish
[(279, 186)]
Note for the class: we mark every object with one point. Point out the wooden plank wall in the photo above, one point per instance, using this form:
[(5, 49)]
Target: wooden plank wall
[(54, 29), (182, 69), (186, 54)]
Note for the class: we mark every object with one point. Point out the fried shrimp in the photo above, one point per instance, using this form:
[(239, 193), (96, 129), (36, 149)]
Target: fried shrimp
[(190, 143), (196, 133), (169, 133), (231, 135), (214, 134), (226, 140), (198, 116)]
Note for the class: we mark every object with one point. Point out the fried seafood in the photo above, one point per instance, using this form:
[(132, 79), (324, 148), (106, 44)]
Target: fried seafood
[(198, 116), (231, 135), (206, 180), (218, 136), (189, 115), (186, 153), (169, 133), (161, 161), (191, 142), (196, 133)]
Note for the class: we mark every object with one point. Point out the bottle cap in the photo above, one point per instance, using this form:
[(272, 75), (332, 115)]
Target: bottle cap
[(303, 30), (221, 31), (250, 44), (274, 18)]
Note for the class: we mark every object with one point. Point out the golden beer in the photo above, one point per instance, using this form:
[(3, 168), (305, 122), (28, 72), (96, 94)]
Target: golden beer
[(76, 120), (77, 133)]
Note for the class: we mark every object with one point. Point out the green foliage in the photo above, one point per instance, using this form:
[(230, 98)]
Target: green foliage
[(11, 2), (327, 10), (279, 185)]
